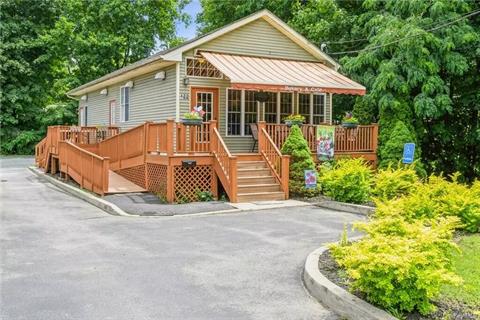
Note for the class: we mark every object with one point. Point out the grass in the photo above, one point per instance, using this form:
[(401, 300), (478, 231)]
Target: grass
[(467, 265)]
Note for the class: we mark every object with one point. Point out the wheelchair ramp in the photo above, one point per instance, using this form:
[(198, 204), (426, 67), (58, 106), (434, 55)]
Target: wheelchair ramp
[(118, 184)]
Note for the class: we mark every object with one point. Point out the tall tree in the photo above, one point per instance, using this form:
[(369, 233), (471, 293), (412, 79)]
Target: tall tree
[(51, 46), (24, 66)]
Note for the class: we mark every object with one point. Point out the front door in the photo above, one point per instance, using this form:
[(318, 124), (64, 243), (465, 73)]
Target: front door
[(207, 98)]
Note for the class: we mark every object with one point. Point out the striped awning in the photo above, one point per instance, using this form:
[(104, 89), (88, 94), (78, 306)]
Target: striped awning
[(260, 73)]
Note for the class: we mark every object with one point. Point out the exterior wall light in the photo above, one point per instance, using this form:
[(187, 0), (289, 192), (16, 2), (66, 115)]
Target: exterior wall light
[(186, 81), (129, 84), (104, 92), (84, 97), (160, 75)]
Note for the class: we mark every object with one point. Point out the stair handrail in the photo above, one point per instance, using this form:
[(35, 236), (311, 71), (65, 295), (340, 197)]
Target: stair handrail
[(225, 164), (88, 169), (278, 162)]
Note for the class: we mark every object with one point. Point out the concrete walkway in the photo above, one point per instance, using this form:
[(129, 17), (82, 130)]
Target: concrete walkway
[(64, 259)]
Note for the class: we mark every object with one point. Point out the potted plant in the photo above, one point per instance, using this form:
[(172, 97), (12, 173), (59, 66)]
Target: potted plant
[(194, 117), (349, 121), (292, 119)]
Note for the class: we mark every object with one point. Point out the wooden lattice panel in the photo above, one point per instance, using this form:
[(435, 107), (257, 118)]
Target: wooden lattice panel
[(157, 178), (189, 181), (135, 174)]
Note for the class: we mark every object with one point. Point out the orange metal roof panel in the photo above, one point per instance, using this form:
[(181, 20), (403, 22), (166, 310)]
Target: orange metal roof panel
[(261, 73)]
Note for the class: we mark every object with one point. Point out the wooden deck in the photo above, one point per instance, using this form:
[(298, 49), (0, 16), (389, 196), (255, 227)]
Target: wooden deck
[(152, 157)]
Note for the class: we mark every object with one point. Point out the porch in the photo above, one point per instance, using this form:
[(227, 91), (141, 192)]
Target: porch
[(178, 161)]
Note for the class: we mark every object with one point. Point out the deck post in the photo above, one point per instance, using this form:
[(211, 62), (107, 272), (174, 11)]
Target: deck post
[(375, 137), (261, 139), (170, 182), (105, 178), (213, 141), (233, 179), (285, 174), (170, 129), (146, 131)]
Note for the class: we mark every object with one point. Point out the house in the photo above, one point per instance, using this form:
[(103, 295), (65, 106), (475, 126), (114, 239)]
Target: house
[(223, 71)]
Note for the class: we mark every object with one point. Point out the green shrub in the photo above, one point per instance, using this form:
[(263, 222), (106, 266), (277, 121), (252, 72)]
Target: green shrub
[(400, 265), (300, 160), (391, 183), (437, 198), (348, 180)]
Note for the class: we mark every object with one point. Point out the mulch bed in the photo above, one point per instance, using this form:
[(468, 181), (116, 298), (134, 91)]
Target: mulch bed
[(446, 309)]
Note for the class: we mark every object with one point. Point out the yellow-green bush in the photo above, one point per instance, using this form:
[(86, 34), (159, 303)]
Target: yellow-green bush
[(436, 198), (400, 265), (391, 183), (348, 180)]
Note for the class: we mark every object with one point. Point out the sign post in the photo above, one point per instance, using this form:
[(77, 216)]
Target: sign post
[(408, 153), (310, 179), (325, 142)]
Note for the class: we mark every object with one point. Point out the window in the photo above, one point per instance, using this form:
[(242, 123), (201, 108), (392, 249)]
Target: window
[(199, 67), (304, 106), (124, 104), (318, 108), (251, 110), (286, 104), (234, 112), (271, 108)]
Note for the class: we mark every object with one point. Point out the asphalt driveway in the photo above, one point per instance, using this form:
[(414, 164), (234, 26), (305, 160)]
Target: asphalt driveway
[(61, 258)]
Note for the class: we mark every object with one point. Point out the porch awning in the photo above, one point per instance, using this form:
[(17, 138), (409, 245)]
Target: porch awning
[(270, 74)]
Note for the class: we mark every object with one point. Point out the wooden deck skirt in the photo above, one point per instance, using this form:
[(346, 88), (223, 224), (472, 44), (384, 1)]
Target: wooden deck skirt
[(152, 156)]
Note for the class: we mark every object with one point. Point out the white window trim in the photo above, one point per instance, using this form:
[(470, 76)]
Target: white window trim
[(212, 112), (324, 107), (199, 77), (242, 114), (122, 105)]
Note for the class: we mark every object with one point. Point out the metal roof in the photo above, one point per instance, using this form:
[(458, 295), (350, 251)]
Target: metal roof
[(260, 73)]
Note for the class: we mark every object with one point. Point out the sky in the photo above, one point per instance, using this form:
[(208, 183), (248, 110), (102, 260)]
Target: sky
[(189, 32)]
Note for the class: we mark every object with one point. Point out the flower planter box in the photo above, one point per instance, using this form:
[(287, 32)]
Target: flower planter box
[(290, 123), (349, 125), (192, 122)]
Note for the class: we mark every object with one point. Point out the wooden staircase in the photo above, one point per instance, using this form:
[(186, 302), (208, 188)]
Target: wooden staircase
[(256, 182)]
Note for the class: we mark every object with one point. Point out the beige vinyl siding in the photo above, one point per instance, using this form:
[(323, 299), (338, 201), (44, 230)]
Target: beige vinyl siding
[(261, 39), (150, 100)]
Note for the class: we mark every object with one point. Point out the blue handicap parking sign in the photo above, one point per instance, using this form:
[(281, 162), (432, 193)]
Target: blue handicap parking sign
[(408, 152)]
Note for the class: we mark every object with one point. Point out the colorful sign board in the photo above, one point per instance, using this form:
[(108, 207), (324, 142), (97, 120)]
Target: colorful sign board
[(408, 152), (310, 179), (325, 142)]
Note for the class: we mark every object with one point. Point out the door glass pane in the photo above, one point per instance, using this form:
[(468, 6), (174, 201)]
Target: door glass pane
[(205, 100)]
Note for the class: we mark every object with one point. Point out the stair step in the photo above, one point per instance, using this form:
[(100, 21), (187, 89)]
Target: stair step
[(265, 172), (260, 196), (255, 179), (251, 165), (264, 187)]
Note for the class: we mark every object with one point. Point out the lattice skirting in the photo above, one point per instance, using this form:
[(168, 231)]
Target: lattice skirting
[(189, 181), (157, 178), (135, 174)]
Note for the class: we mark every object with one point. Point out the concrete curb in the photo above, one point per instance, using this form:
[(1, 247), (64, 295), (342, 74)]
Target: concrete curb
[(113, 209), (335, 298), (347, 207), (106, 206)]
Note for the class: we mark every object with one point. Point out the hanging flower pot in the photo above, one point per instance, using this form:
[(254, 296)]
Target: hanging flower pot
[(294, 119), (193, 118)]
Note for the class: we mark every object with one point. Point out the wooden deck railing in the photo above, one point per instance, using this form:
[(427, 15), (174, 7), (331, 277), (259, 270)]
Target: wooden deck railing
[(225, 164), (87, 135), (278, 163), (192, 139), (347, 140), (41, 152), (89, 170), (157, 138)]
